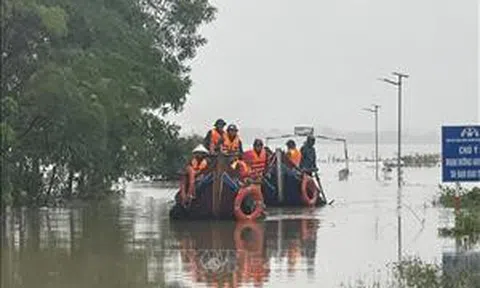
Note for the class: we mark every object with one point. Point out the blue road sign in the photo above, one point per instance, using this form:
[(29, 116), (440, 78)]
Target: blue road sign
[(460, 153)]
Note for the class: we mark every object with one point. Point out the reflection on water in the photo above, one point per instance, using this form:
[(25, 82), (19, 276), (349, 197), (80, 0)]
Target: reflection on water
[(132, 243), (225, 254), (112, 245), (83, 247)]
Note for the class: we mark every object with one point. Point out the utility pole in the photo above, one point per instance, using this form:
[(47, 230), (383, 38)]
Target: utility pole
[(398, 83), (375, 111)]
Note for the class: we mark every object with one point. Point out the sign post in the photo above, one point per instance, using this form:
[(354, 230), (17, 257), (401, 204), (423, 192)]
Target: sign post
[(460, 156), (460, 153)]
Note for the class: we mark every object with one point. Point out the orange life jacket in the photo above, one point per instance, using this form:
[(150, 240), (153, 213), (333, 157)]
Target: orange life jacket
[(295, 156), (230, 146), (215, 137), (242, 167), (198, 166), (257, 162)]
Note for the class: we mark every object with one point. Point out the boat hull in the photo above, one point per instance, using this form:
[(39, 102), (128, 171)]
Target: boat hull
[(202, 207), (292, 187)]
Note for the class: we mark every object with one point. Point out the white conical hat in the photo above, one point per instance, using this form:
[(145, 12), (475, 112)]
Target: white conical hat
[(200, 149)]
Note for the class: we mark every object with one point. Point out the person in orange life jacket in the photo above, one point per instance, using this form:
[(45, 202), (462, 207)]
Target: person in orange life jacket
[(257, 158), (213, 138), (241, 167), (243, 172), (231, 143), (199, 162), (293, 154)]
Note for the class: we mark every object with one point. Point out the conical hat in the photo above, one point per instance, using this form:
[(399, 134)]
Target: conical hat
[(200, 149)]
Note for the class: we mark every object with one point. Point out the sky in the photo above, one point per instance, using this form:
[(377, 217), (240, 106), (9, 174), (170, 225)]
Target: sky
[(281, 63)]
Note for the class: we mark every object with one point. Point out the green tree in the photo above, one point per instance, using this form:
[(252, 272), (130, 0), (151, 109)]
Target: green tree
[(79, 82)]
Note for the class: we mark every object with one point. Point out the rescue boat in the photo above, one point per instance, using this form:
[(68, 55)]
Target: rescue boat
[(217, 193), (285, 185)]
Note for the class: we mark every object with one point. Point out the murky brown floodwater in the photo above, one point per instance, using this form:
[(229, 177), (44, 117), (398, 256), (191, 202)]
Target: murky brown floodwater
[(132, 243)]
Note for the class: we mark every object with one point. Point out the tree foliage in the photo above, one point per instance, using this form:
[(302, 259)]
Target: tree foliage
[(84, 86)]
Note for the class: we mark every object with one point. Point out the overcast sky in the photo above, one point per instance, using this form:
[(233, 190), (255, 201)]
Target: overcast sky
[(280, 63)]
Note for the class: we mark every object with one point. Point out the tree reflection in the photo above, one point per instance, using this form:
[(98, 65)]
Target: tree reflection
[(81, 247)]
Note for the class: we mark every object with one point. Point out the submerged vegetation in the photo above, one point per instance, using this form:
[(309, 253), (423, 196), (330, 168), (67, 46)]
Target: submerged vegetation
[(468, 198), (415, 273), (85, 85), (421, 160), (467, 217)]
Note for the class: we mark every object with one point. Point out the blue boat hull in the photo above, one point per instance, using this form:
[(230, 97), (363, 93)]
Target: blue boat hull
[(292, 189), (201, 207)]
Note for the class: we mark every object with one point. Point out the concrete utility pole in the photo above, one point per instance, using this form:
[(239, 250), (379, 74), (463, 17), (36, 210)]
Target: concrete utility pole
[(398, 83), (375, 111)]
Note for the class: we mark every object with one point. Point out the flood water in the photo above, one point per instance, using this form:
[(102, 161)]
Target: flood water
[(132, 242)]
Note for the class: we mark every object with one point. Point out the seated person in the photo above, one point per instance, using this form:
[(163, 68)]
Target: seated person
[(257, 159), (230, 142), (240, 167), (293, 154), (213, 138)]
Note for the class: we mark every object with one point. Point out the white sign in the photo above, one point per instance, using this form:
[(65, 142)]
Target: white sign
[(303, 131)]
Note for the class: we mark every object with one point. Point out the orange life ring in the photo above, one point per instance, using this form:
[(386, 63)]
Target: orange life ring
[(256, 245), (255, 192), (308, 185), (187, 184)]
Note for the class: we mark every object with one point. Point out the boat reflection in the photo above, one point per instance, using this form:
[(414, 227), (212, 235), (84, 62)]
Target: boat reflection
[(106, 244), (226, 254)]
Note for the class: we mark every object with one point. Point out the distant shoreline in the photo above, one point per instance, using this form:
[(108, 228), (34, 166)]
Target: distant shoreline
[(361, 137)]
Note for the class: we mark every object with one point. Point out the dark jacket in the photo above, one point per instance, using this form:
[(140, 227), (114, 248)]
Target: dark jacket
[(207, 139), (309, 157)]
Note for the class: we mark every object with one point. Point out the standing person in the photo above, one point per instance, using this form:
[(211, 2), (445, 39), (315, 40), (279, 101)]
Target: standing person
[(309, 156), (257, 158), (293, 154), (231, 143), (213, 138)]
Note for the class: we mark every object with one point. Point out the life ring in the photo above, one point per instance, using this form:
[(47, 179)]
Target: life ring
[(255, 192), (187, 185), (309, 191), (256, 244)]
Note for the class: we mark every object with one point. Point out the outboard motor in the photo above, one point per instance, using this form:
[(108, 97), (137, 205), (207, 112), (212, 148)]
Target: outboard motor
[(343, 174)]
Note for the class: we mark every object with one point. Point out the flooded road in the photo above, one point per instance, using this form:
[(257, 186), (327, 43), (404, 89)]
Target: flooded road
[(132, 243)]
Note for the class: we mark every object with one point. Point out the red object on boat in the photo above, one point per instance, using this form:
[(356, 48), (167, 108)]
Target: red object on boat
[(255, 192), (309, 190), (187, 184)]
